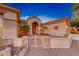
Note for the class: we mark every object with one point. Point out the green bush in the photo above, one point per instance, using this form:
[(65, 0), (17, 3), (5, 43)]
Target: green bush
[(25, 27)]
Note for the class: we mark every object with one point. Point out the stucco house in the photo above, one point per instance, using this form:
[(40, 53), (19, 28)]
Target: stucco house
[(52, 27), (56, 31), (10, 24)]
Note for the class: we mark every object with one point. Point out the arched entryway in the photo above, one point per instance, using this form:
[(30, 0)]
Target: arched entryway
[(34, 28), (34, 23)]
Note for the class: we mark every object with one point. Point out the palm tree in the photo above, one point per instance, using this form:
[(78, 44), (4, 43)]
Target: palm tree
[(74, 24), (75, 7)]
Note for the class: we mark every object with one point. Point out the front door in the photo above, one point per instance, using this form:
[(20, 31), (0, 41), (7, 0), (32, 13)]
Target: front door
[(34, 27)]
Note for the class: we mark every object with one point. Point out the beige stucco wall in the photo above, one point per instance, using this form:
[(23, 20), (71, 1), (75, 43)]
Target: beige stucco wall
[(61, 42), (9, 29), (10, 15), (59, 32), (17, 42), (1, 25)]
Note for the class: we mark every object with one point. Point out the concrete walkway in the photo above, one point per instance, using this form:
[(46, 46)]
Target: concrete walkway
[(73, 51)]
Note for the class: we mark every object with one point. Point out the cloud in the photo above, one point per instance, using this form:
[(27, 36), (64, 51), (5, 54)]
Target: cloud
[(25, 17), (46, 18), (42, 18)]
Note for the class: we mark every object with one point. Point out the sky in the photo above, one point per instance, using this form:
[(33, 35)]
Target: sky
[(45, 11)]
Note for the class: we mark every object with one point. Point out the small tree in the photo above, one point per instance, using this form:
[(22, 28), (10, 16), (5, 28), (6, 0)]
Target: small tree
[(25, 29)]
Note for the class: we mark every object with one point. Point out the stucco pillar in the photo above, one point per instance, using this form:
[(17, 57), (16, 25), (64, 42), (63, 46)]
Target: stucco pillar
[(1, 25), (39, 29), (1, 28), (30, 30)]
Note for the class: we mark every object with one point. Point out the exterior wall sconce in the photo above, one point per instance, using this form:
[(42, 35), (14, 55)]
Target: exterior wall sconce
[(56, 27)]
